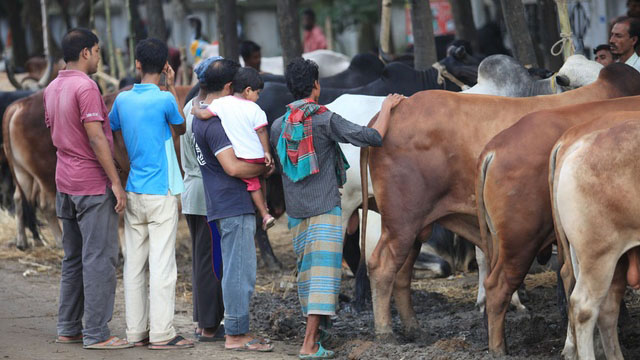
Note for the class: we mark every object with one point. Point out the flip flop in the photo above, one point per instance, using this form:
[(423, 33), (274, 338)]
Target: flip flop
[(143, 342), (76, 339), (322, 353), (109, 344), (267, 222), (247, 346), (173, 344)]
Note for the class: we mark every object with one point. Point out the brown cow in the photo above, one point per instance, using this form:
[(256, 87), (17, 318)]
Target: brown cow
[(32, 159), (512, 191), (594, 186), (425, 172)]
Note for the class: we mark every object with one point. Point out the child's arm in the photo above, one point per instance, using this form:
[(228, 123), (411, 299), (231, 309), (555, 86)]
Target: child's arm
[(202, 114), (264, 140)]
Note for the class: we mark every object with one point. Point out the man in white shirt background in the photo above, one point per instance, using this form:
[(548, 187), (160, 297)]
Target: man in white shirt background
[(623, 40)]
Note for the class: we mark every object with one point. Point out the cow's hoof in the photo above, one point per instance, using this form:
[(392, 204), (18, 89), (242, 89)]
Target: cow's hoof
[(414, 334), (386, 338), (498, 353)]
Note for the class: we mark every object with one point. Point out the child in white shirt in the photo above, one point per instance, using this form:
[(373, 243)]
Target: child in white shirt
[(246, 127)]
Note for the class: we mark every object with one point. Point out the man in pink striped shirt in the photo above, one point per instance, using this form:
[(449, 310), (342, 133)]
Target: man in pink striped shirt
[(88, 196)]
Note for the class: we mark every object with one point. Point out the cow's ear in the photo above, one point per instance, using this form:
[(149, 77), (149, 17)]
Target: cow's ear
[(563, 80)]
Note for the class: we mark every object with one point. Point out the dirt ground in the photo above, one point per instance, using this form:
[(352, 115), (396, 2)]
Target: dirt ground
[(452, 327)]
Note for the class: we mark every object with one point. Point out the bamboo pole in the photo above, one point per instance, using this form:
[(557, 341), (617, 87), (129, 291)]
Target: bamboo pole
[(45, 28), (121, 70), (112, 59), (132, 38), (184, 67), (385, 27), (328, 30), (565, 30)]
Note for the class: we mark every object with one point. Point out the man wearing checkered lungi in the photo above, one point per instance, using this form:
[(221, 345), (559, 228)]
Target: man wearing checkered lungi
[(313, 169)]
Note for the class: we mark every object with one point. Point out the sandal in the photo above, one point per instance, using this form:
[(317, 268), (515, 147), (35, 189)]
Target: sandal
[(173, 344), (76, 339), (248, 346), (112, 343), (143, 342), (267, 222), (322, 353)]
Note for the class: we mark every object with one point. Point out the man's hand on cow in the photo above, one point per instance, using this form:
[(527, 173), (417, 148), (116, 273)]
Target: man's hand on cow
[(121, 197), (170, 75), (392, 100)]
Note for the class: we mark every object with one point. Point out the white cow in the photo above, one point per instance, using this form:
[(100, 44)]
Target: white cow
[(329, 62)]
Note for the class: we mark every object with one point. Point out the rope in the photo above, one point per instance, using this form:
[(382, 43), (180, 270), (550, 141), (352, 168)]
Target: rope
[(564, 39), (443, 73)]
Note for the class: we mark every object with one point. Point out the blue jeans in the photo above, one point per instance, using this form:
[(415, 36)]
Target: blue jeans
[(239, 278)]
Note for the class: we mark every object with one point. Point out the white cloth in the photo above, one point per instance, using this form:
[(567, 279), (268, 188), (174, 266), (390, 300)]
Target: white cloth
[(634, 61), (240, 119), (150, 226)]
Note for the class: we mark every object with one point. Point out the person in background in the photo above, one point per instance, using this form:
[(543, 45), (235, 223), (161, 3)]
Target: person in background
[(624, 39), (141, 118), (313, 37), (313, 169), (208, 306), (602, 54), (251, 54), (89, 196)]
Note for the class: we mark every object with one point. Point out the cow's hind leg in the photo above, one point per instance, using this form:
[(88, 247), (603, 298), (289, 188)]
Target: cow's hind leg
[(609, 311), (481, 299), (590, 291), (385, 262), (402, 295)]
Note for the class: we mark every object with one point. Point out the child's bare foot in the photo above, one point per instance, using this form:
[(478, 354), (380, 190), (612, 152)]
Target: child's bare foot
[(267, 222)]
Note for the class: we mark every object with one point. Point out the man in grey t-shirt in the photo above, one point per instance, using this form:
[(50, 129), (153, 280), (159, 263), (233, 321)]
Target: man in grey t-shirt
[(313, 168)]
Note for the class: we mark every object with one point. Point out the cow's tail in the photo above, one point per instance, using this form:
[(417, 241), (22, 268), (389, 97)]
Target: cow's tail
[(565, 265), (9, 182), (484, 220), (362, 280)]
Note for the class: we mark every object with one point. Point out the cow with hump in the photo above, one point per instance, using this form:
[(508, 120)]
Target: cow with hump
[(425, 173), (594, 190), (512, 193)]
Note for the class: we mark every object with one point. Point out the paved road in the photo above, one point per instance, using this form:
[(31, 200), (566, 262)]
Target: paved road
[(28, 313)]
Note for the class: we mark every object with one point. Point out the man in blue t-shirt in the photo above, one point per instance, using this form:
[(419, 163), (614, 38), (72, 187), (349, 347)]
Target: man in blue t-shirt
[(230, 209), (141, 117)]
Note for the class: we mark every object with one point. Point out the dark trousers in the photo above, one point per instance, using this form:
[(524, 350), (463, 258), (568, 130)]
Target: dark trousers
[(88, 281), (208, 306)]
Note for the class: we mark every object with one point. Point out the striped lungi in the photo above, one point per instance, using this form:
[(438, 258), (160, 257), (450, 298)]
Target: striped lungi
[(317, 242)]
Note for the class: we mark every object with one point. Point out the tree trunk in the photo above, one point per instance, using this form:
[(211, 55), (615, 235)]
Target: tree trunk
[(424, 45), (385, 27), (18, 41), (463, 20), (549, 26), (522, 46), (155, 20), (289, 30), (227, 29)]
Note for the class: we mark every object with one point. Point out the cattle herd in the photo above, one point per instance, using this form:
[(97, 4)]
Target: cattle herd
[(514, 165)]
